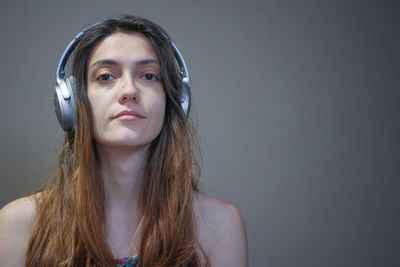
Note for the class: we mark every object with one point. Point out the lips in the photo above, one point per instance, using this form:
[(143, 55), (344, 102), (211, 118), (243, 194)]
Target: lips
[(128, 115)]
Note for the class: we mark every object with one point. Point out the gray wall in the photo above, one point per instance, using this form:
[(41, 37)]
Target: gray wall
[(296, 105)]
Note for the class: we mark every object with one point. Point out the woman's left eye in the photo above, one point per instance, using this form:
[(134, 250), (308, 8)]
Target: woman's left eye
[(150, 77)]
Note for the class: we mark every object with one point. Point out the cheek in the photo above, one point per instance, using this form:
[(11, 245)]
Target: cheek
[(97, 108), (93, 108), (159, 113)]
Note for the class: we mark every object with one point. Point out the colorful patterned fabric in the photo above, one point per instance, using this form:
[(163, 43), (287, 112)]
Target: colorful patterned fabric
[(128, 262)]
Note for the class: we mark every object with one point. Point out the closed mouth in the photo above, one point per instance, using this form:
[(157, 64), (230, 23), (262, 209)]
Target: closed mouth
[(128, 115)]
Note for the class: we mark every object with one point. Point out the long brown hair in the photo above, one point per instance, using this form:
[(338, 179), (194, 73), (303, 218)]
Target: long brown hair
[(70, 210)]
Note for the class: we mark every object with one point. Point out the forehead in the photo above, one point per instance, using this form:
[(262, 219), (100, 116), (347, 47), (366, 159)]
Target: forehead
[(123, 47)]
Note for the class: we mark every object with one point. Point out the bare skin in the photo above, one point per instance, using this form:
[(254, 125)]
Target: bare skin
[(118, 80), (16, 224)]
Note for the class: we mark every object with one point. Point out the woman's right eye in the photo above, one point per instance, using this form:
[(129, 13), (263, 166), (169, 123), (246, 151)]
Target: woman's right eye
[(105, 77)]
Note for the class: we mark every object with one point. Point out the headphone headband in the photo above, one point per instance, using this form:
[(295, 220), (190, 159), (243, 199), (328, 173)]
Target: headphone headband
[(60, 74), (64, 96)]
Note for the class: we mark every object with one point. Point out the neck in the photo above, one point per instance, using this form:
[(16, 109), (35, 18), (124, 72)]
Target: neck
[(122, 171)]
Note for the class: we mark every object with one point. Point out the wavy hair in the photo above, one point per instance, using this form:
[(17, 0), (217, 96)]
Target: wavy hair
[(70, 209)]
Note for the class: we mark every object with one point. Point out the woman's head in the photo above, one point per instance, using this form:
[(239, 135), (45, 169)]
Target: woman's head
[(122, 30)]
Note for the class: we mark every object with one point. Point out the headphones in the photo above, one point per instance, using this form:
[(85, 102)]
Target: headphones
[(64, 95)]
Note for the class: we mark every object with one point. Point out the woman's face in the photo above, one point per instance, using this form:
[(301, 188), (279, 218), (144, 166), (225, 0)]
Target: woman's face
[(125, 91)]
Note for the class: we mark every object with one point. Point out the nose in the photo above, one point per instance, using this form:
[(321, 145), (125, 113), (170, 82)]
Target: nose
[(129, 91)]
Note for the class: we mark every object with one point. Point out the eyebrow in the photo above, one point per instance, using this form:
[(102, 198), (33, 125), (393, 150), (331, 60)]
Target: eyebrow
[(110, 62)]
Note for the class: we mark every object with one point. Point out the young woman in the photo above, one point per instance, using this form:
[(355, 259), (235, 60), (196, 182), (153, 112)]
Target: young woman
[(125, 187)]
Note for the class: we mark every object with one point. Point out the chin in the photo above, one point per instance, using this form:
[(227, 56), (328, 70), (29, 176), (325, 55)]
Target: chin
[(126, 141), (126, 138)]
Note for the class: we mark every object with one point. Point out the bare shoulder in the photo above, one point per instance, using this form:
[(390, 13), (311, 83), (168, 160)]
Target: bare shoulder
[(221, 231), (16, 222)]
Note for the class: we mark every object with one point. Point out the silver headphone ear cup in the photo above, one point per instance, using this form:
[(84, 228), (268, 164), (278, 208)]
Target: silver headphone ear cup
[(185, 98), (64, 103), (58, 107)]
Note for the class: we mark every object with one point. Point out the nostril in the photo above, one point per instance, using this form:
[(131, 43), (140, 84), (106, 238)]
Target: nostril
[(126, 98)]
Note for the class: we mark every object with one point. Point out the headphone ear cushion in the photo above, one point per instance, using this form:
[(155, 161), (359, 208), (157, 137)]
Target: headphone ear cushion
[(186, 98), (64, 103)]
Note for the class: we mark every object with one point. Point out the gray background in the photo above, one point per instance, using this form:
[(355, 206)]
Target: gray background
[(296, 104)]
